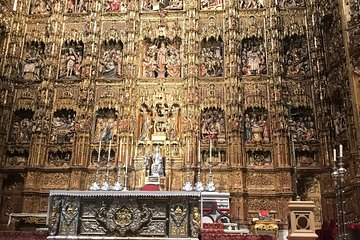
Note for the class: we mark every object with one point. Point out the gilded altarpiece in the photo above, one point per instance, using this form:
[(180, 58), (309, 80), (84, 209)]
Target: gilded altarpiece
[(89, 85)]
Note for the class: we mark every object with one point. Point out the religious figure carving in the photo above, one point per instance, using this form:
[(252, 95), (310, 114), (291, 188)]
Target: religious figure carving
[(115, 6), (259, 158), (71, 58), (80, 6), (211, 4), (149, 62), (33, 61), (292, 3), (39, 7), (148, 5), (146, 126), (252, 4), (105, 125), (63, 126), (162, 58), (253, 57), (211, 61), (110, 63), (213, 124), (256, 126), (157, 167), (339, 123), (296, 57)]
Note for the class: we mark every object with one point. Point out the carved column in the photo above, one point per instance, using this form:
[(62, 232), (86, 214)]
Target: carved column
[(6, 102), (192, 88), (131, 67), (232, 96), (279, 134), (38, 150)]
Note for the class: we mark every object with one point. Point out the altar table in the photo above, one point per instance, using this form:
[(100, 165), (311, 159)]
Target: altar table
[(129, 215)]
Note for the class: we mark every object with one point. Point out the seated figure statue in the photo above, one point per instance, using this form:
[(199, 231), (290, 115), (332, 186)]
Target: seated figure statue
[(157, 168)]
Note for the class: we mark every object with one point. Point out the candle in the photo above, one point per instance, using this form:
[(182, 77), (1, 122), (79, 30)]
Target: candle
[(99, 151), (108, 160), (210, 149), (188, 158), (126, 157), (334, 150), (120, 151), (95, 27), (199, 153), (341, 150), (15, 5)]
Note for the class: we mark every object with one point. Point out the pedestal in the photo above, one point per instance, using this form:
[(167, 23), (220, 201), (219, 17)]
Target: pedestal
[(301, 220)]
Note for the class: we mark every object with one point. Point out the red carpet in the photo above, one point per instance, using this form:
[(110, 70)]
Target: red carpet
[(37, 235), (215, 231)]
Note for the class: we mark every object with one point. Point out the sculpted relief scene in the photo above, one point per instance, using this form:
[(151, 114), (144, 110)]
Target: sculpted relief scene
[(92, 89)]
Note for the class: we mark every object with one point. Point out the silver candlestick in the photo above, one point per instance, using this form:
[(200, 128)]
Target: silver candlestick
[(188, 186), (338, 175), (199, 185), (106, 186), (210, 187), (118, 185), (95, 185)]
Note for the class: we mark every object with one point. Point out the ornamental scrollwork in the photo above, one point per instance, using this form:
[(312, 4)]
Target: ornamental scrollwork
[(120, 218)]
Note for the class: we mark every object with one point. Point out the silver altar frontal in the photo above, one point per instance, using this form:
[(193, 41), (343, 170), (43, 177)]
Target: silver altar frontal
[(123, 215)]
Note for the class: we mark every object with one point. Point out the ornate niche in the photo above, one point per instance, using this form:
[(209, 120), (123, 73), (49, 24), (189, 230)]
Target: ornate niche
[(17, 157), (258, 158), (105, 129), (106, 125), (110, 61), (103, 158), (212, 58), (113, 6), (291, 3), (159, 122), (253, 56), (296, 59), (211, 4), (161, 58), (63, 126), (72, 54), (305, 157), (33, 61), (39, 7), (77, 6), (304, 124), (21, 129), (212, 123), (218, 152), (256, 125), (251, 4), (149, 5), (59, 158)]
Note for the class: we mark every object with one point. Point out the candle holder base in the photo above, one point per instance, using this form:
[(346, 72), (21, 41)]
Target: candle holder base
[(94, 186), (210, 186), (199, 187), (105, 186), (187, 187), (118, 186)]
